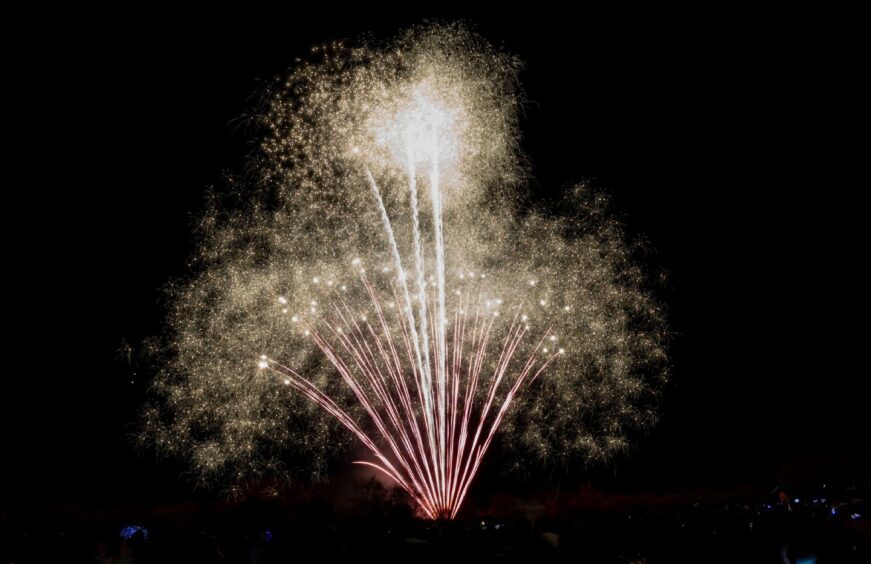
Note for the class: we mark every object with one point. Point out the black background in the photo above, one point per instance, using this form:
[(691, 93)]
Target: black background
[(730, 141)]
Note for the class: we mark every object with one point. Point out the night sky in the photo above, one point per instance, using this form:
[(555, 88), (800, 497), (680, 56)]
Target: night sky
[(726, 143)]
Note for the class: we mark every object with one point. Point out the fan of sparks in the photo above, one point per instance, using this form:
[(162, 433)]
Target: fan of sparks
[(382, 276)]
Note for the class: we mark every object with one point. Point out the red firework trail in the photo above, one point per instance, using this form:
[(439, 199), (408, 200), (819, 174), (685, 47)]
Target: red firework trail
[(434, 463)]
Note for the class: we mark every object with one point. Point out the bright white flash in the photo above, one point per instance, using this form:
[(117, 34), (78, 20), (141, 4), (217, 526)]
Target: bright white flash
[(422, 128)]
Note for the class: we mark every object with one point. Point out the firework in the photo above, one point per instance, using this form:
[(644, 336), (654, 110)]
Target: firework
[(382, 277)]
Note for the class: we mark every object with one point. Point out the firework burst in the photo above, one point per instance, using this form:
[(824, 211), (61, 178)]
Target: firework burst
[(382, 277)]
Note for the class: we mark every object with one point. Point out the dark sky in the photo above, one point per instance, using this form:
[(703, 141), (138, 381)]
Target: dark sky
[(726, 141)]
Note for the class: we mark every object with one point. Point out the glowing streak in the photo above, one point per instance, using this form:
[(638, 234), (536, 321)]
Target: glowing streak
[(441, 321), (422, 369), (398, 259), (421, 284)]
